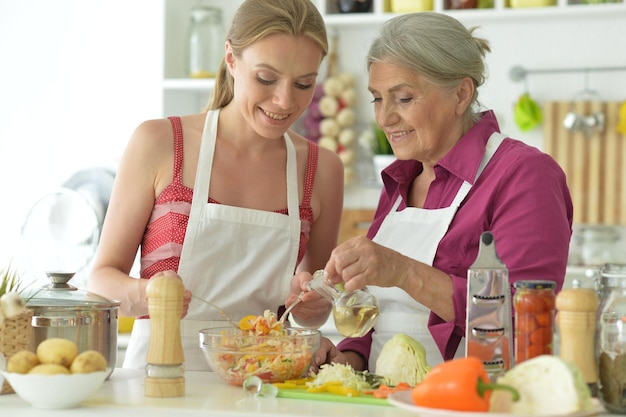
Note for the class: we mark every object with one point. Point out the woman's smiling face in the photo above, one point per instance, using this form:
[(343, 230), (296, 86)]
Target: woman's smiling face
[(421, 120), (274, 81)]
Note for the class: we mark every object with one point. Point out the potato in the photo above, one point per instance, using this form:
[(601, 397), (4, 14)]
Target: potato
[(87, 362), (58, 351), (49, 369), (22, 362)]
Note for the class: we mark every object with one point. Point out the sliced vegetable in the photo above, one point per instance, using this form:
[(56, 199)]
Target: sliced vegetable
[(384, 390), (341, 390), (285, 385), (339, 374)]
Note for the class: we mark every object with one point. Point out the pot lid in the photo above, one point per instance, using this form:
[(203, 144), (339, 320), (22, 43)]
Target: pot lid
[(59, 293)]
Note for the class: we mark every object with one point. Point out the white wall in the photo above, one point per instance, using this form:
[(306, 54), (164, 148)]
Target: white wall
[(76, 78)]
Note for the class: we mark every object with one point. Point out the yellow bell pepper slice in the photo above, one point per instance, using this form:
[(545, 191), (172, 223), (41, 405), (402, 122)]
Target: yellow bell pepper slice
[(341, 390), (324, 387), (285, 385)]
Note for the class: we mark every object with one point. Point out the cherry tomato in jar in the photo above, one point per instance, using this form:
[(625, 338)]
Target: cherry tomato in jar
[(534, 305), (541, 336), (528, 303)]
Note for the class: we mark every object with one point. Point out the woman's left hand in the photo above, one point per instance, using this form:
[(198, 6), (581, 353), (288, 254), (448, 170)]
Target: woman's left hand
[(314, 309)]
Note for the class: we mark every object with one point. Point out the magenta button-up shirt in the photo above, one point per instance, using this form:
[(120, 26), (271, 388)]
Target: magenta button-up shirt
[(521, 197)]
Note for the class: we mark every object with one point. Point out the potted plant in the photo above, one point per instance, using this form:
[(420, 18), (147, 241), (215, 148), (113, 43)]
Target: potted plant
[(382, 154)]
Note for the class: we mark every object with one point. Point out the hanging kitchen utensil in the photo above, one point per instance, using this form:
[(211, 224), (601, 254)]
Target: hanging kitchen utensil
[(588, 124), (526, 112), (488, 321)]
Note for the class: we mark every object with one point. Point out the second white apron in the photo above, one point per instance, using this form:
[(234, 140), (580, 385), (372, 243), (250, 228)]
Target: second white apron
[(416, 233)]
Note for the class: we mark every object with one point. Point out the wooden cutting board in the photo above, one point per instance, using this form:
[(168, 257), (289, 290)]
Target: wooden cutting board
[(595, 165)]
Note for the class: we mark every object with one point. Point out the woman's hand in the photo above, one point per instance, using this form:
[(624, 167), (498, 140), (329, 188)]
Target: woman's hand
[(313, 311), (360, 262), (186, 295), (326, 354)]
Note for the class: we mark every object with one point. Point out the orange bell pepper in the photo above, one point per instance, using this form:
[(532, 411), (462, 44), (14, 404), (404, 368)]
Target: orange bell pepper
[(458, 384)]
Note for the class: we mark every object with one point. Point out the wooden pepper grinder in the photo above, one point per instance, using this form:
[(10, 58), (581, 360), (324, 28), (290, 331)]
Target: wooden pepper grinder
[(165, 358), (576, 319)]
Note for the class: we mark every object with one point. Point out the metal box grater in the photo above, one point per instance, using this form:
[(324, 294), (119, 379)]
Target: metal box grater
[(488, 331)]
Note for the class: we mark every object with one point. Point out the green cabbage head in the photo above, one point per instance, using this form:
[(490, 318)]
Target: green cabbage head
[(402, 359)]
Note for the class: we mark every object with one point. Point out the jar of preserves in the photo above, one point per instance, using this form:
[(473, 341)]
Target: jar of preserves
[(534, 305), (611, 348), (205, 42)]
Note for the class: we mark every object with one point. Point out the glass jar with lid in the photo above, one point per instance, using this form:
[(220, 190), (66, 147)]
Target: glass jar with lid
[(611, 347), (600, 245), (534, 305), (205, 42)]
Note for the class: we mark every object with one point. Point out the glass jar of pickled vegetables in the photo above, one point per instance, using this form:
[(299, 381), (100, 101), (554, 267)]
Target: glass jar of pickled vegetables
[(534, 305), (611, 348)]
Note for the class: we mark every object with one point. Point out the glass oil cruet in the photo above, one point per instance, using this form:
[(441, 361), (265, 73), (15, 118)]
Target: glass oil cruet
[(354, 312)]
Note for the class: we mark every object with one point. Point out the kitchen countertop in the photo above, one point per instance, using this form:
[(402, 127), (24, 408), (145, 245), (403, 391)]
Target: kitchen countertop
[(206, 395)]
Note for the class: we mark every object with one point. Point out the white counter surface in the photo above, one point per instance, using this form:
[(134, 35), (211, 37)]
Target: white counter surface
[(206, 395)]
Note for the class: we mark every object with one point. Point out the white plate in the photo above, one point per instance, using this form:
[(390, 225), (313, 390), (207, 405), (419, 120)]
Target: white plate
[(403, 399)]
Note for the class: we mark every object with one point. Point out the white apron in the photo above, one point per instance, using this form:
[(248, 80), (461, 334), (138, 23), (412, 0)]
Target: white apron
[(416, 233), (238, 258)]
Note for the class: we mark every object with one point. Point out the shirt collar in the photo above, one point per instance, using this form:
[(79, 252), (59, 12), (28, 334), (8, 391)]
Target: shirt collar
[(465, 157)]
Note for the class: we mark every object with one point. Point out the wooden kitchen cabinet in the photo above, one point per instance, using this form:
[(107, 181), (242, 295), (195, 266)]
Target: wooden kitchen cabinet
[(355, 222)]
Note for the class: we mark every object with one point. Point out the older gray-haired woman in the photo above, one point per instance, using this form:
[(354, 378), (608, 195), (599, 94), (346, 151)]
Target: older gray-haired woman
[(455, 177)]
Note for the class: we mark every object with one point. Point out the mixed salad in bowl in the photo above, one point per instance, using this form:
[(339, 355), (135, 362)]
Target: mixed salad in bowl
[(261, 346)]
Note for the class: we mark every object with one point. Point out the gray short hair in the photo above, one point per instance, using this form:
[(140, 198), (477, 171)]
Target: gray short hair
[(435, 46)]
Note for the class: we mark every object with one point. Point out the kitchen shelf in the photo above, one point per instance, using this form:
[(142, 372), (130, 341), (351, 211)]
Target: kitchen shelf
[(500, 11), (189, 84), (181, 95)]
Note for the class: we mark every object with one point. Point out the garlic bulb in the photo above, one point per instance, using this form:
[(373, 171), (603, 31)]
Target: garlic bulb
[(12, 304), (331, 119), (347, 137), (328, 142), (333, 87), (328, 106)]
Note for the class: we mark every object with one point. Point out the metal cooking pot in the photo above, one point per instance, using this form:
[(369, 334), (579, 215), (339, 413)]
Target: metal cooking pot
[(62, 310)]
